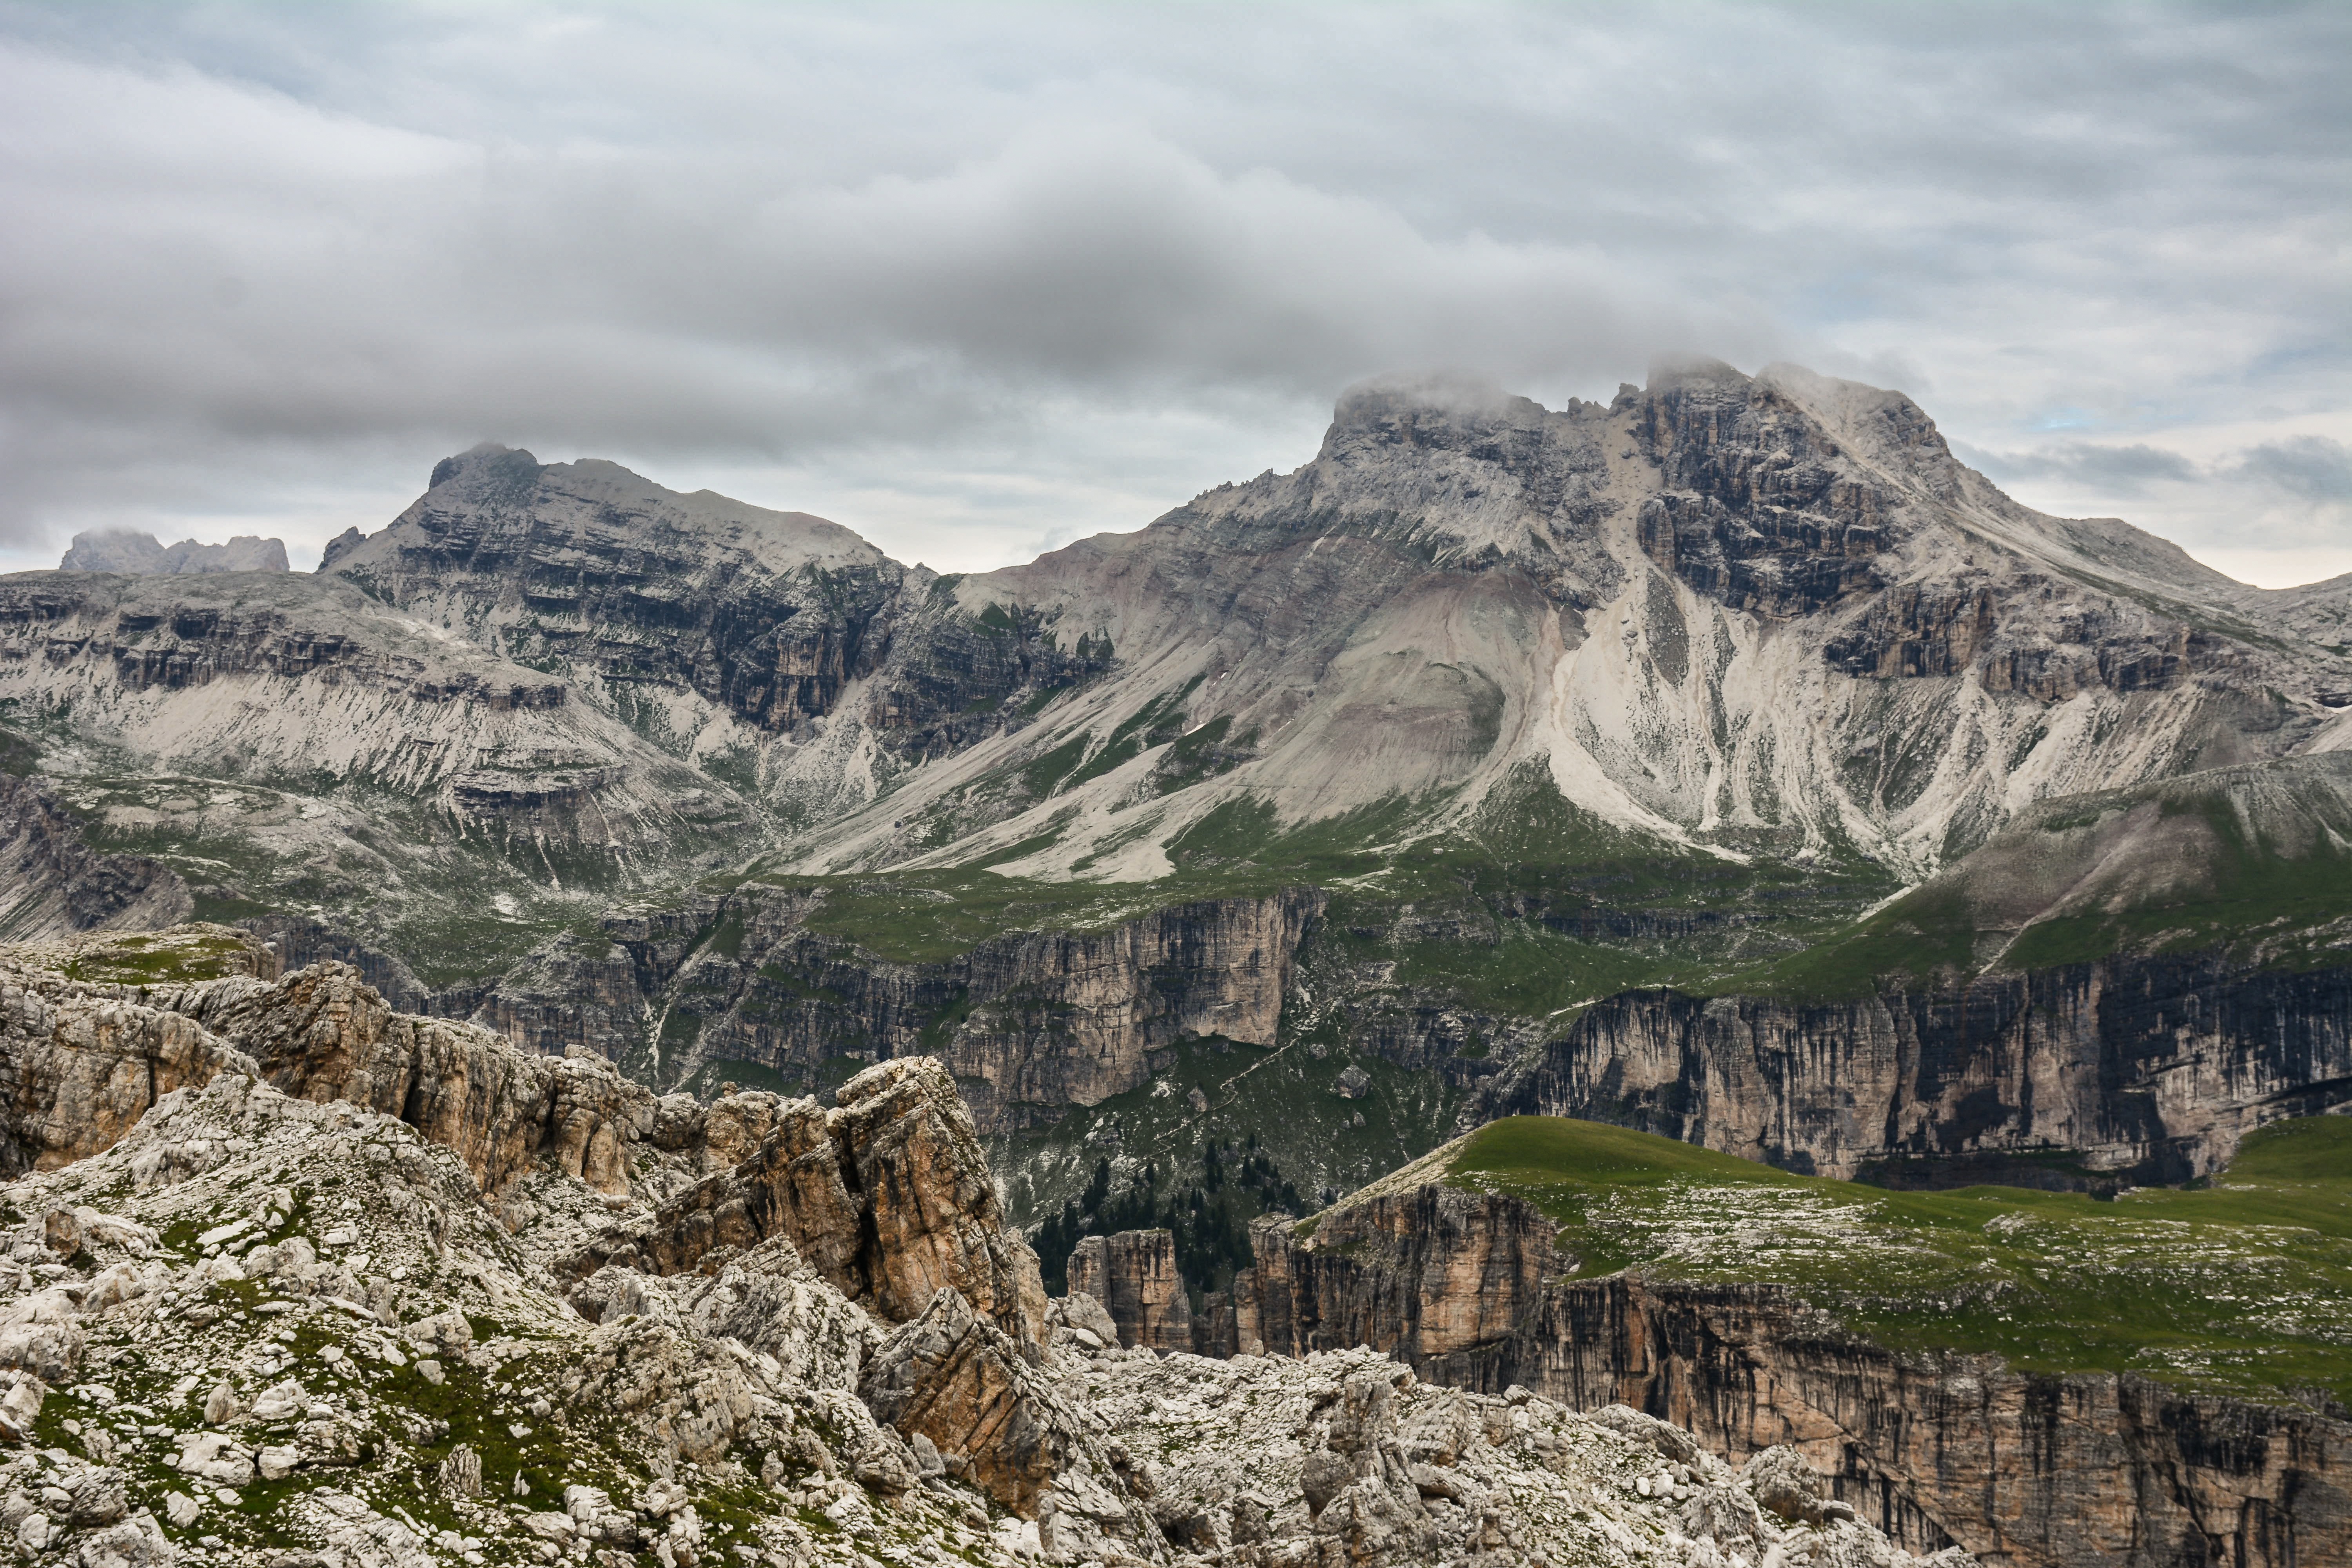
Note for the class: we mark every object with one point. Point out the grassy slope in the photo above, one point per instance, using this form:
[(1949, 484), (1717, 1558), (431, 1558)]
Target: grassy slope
[(2243, 1287), (2252, 862)]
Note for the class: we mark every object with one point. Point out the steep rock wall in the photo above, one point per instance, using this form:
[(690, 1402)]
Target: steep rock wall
[(1133, 1274), (2151, 1068), (53, 884), (1030, 1023), (2084, 1471), (887, 1196)]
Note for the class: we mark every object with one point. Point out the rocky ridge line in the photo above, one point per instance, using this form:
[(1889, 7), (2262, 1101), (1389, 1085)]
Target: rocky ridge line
[(2036, 1471), (291, 1330)]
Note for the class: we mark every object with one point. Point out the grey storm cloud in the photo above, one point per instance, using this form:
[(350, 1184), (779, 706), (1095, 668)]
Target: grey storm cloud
[(2126, 471), (1022, 270), (2314, 469)]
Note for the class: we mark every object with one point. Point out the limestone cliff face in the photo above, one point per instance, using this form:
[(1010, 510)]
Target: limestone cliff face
[(324, 1033), (1030, 1023), (2152, 1068), (1134, 1276), (53, 884), (1432, 1272), (80, 1066), (887, 1196), (2078, 1471)]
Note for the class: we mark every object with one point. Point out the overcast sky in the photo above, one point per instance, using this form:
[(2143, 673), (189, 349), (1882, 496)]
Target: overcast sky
[(976, 281)]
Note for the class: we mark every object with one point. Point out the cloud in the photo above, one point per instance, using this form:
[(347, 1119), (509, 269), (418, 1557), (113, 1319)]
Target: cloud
[(979, 278), (2313, 469), (2123, 471)]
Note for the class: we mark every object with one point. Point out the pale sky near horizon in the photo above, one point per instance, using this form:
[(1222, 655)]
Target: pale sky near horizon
[(979, 279)]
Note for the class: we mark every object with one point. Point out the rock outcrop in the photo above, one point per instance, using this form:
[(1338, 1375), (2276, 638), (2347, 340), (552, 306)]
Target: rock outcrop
[(1133, 1275), (2052, 1471), (323, 1034), (265, 1324), (2151, 1068), (953, 1382), (1430, 1272), (887, 1196), (1348, 1458), (52, 884)]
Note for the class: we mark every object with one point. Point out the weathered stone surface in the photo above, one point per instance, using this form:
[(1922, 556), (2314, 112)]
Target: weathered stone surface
[(959, 1381), (324, 1033), (80, 1065), (2152, 1067), (1346, 1458), (1133, 1274), (887, 1196), (1431, 1271), (52, 884), (2097, 1471)]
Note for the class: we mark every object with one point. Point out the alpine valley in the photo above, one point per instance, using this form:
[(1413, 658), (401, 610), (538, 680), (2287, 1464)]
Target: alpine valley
[(1675, 981)]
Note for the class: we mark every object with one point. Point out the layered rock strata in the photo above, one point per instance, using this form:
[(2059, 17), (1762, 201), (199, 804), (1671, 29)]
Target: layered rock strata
[(887, 1196), (2080, 1470), (2151, 1068), (1133, 1274), (1029, 1023), (889, 1192), (52, 884)]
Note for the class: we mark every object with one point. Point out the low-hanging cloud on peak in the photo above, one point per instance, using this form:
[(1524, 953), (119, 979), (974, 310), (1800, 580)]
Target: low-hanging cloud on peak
[(977, 282)]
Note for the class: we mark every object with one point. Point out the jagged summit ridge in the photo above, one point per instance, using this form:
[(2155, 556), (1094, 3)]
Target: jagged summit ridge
[(266, 1323), (1701, 609), (133, 552)]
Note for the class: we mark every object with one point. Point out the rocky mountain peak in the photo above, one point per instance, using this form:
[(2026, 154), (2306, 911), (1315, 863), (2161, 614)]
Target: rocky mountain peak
[(133, 553), (1436, 402), (478, 457)]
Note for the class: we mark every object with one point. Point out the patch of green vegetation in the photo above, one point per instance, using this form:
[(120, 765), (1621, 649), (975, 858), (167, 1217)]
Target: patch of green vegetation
[(1043, 773), (1284, 1102), (1040, 698), (18, 755), (2254, 899), (1200, 754), (1156, 723), (181, 956), (2242, 1286), (1920, 941)]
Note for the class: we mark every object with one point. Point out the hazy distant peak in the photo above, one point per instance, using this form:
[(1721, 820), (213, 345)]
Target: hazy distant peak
[(1670, 371), (475, 457), (132, 552), (1386, 401)]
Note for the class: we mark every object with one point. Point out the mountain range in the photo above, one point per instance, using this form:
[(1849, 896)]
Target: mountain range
[(1531, 707), (1726, 762)]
